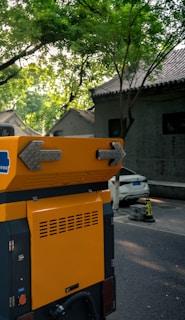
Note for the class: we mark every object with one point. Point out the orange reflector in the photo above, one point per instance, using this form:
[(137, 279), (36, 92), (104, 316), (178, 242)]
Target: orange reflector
[(108, 296), (28, 316), (22, 299)]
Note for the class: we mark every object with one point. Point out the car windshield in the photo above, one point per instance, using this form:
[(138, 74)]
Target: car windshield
[(125, 172)]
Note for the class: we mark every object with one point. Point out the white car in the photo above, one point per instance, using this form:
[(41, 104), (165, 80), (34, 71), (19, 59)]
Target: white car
[(132, 186)]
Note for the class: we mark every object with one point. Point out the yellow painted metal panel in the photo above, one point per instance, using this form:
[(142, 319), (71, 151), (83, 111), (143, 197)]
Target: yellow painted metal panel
[(12, 211), (105, 195), (67, 245), (78, 164)]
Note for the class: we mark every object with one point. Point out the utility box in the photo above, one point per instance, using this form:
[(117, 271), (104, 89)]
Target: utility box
[(137, 212), (56, 227)]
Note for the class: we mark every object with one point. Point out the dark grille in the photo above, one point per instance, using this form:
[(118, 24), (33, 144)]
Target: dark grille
[(66, 224)]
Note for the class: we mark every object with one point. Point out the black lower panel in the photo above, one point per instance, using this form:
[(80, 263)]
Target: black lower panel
[(77, 310), (15, 297)]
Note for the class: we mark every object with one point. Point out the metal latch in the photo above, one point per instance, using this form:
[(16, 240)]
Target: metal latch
[(11, 245), (113, 263), (12, 301)]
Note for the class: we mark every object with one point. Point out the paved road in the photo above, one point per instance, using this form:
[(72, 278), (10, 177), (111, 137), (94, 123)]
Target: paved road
[(150, 267)]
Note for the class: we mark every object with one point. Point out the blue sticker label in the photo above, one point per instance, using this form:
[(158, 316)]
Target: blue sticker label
[(4, 162), (21, 290)]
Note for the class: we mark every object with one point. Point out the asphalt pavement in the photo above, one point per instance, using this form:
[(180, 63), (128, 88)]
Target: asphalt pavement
[(169, 216), (150, 274)]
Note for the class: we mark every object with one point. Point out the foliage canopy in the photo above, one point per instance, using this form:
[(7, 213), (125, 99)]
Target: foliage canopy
[(76, 44)]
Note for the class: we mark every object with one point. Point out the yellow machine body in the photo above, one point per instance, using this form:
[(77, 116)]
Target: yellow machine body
[(78, 164), (67, 247), (62, 202)]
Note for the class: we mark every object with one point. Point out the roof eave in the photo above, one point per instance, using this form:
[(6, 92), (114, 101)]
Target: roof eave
[(144, 88)]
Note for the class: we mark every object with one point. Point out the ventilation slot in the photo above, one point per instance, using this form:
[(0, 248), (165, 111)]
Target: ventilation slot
[(70, 223), (62, 225), (87, 220), (94, 218), (79, 221), (53, 227), (43, 229)]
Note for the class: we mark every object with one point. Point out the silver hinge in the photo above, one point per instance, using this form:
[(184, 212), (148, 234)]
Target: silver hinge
[(11, 245), (112, 263), (12, 301)]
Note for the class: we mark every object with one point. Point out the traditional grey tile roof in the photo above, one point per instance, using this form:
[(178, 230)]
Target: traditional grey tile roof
[(172, 72), (86, 114), (10, 117)]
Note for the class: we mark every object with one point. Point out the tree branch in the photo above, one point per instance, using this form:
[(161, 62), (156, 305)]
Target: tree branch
[(9, 77), (91, 8), (22, 54), (167, 48)]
